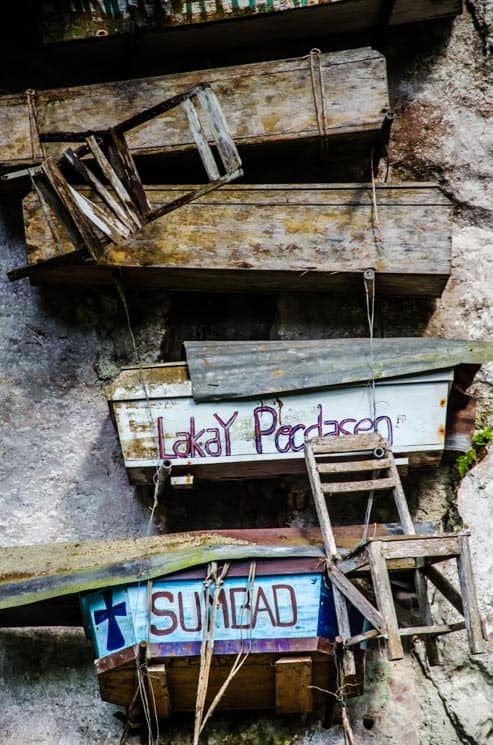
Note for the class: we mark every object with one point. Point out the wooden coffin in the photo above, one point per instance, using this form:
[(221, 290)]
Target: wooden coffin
[(295, 238), (288, 630), (264, 103), (265, 436), (266, 20)]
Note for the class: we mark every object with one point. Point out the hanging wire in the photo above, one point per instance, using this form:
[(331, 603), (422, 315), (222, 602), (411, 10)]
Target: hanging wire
[(148, 703)]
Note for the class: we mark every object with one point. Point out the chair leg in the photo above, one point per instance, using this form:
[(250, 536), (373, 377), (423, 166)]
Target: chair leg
[(385, 601), (469, 598)]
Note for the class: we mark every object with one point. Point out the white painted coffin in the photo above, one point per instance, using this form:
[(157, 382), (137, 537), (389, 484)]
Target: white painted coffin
[(158, 420)]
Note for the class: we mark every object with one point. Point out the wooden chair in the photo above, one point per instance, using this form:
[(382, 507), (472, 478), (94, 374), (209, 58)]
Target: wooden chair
[(365, 464)]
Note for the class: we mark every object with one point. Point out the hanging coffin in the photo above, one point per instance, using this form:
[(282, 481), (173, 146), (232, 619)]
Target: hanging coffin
[(295, 238), (246, 412), (146, 604), (247, 23), (341, 97), (288, 633)]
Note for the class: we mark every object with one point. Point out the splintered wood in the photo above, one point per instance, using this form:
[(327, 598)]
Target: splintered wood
[(338, 466), (123, 208)]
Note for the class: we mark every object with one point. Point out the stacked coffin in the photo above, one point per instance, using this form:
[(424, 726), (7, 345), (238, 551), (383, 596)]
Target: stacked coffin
[(241, 619)]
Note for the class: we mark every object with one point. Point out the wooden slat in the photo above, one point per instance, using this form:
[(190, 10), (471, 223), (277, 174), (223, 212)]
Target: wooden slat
[(114, 180), (99, 217), (220, 129), (469, 598), (424, 605), (359, 638), (157, 690), (422, 547), (293, 676), (356, 598), (70, 207), (344, 628), (123, 163), (347, 444), (320, 504), (401, 501), (355, 466), (385, 601), (433, 630), (198, 134), (341, 487), (445, 587)]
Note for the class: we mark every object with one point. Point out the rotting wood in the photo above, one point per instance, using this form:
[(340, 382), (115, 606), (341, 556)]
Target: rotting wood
[(385, 602), (276, 248), (293, 676), (266, 102), (115, 160), (157, 689), (212, 27), (469, 597)]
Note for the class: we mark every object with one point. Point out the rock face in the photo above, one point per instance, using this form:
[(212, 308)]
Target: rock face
[(61, 470)]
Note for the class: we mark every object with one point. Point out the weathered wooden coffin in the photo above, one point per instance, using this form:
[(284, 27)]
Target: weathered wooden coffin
[(265, 436), (291, 616), (269, 19), (295, 238), (268, 102)]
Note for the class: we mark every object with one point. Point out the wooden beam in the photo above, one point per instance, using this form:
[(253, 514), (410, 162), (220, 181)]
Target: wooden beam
[(344, 487), (353, 466), (444, 586), (320, 503), (385, 601), (421, 586), (356, 598), (293, 678), (469, 598), (157, 690), (434, 629)]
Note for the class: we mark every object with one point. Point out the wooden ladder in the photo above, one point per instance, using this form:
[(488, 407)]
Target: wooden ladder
[(366, 464)]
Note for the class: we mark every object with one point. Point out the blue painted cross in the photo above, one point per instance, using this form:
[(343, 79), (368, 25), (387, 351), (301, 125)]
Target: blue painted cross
[(115, 637)]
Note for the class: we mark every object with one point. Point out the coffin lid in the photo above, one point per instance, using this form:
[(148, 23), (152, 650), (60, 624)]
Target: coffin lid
[(243, 369)]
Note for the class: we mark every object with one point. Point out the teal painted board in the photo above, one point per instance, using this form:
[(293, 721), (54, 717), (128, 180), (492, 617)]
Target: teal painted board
[(171, 612)]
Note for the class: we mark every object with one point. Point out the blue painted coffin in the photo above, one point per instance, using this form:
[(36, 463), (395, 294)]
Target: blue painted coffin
[(275, 612)]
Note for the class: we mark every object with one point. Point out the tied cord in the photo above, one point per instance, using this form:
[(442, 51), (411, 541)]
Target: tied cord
[(318, 89), (215, 577), (148, 702)]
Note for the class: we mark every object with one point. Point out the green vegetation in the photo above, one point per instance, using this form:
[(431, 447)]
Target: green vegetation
[(480, 440)]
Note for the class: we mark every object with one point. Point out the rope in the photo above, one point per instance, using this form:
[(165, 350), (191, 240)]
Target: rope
[(319, 98), (243, 654), (148, 705), (377, 233), (207, 647)]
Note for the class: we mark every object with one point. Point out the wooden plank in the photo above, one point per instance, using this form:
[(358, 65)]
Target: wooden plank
[(469, 598), (198, 134), (223, 27), (70, 207), (401, 501), (424, 605), (276, 246), (99, 218), (156, 682), (262, 102), (344, 487), (293, 677), (123, 163), (117, 184), (421, 548), (433, 630), (359, 638), (109, 198), (444, 586), (220, 129), (377, 464), (350, 443), (385, 601), (320, 503), (356, 598)]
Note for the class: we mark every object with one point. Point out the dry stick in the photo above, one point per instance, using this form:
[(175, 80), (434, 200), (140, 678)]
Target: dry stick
[(242, 655), (207, 646)]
